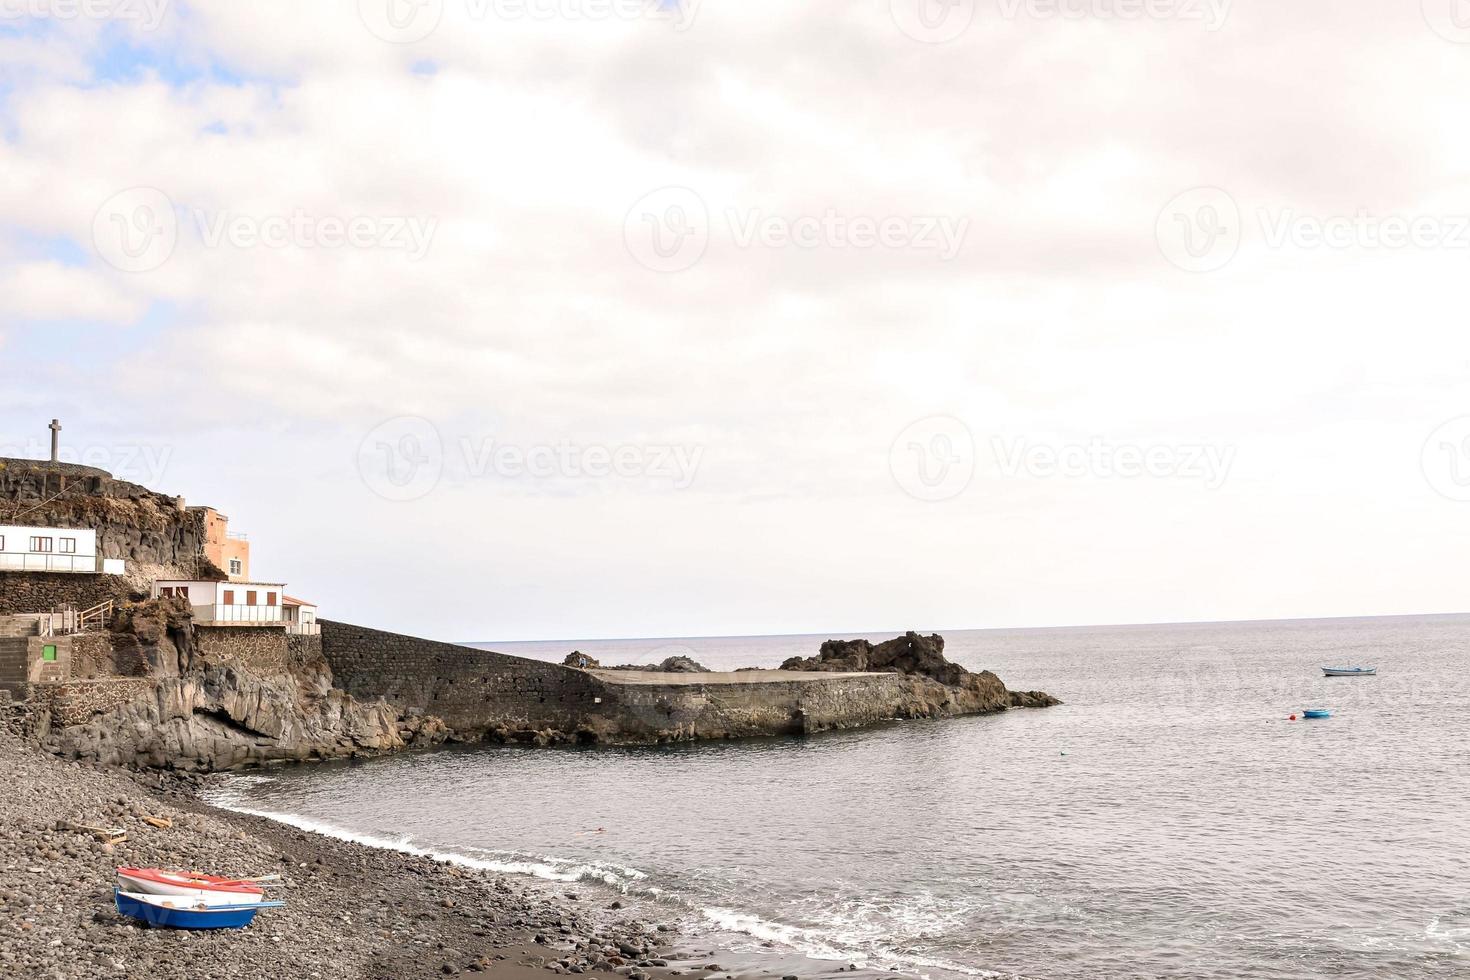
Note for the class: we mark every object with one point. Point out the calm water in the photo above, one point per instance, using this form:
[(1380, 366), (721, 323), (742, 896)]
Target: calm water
[(1167, 821)]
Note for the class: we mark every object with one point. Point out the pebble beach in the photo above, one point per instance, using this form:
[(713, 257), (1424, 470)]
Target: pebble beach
[(352, 910)]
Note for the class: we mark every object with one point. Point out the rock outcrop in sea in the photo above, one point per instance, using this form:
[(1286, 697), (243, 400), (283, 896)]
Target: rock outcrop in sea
[(937, 685), (678, 664)]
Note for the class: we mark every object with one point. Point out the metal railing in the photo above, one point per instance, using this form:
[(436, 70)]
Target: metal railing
[(36, 562), (303, 629), (60, 621), (237, 613), (96, 617)]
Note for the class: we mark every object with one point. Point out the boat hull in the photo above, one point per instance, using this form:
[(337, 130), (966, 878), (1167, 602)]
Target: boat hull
[(153, 881), (1316, 714), (1350, 671), (156, 910)]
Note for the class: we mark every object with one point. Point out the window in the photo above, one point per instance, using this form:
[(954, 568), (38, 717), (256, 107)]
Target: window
[(48, 652), (237, 567), (41, 545), (270, 598), (229, 599), (68, 546), (250, 598), (2, 542)]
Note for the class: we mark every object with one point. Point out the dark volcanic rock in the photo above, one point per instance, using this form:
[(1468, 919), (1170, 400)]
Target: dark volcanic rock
[(1032, 699), (670, 665), (682, 665), (907, 654), (937, 686)]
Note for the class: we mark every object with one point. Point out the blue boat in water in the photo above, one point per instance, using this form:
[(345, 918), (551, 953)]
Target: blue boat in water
[(174, 912), (1316, 713)]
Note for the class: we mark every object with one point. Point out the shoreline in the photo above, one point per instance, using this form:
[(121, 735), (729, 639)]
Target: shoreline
[(758, 947), (353, 909)]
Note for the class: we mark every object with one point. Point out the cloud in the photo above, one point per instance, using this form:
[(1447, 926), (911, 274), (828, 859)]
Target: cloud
[(52, 291), (528, 317)]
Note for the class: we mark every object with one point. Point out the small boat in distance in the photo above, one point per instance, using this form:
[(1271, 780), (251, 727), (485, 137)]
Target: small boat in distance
[(1316, 713), (1349, 671)]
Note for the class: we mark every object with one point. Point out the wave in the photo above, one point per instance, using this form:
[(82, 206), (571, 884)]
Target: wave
[(852, 937), (845, 940), (502, 862)]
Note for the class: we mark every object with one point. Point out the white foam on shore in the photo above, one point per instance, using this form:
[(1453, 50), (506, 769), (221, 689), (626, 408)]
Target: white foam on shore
[(546, 868), (848, 945), (834, 944)]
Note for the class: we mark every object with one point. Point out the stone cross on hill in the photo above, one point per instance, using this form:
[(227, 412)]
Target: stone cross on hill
[(55, 428)]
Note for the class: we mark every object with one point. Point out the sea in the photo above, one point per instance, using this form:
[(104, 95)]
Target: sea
[(1170, 819)]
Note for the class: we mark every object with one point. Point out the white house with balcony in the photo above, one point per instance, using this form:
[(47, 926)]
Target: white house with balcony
[(300, 615), (236, 603), (53, 549)]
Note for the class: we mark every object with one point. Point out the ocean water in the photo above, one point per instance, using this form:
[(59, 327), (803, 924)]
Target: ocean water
[(1167, 821)]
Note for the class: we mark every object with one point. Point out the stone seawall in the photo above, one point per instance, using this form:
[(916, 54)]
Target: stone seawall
[(478, 693), (679, 707), (260, 648), (473, 691), (302, 649), (77, 702), (36, 592)]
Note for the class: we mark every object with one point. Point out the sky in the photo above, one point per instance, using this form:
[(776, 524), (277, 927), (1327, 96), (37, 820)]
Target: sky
[(518, 319)]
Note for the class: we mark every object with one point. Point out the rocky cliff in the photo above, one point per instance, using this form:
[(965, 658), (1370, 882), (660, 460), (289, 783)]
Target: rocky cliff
[(937, 686), (152, 532), (165, 693)]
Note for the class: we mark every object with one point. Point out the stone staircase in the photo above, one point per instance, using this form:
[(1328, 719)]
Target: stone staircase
[(13, 665), (28, 624)]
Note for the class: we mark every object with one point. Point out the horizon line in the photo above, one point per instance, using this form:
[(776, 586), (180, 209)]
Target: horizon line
[(977, 629)]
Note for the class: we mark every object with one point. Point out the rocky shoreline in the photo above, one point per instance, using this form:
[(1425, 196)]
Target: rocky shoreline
[(352, 911)]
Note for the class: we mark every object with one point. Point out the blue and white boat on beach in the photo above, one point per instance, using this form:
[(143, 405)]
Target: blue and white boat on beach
[(178, 912), (1350, 671)]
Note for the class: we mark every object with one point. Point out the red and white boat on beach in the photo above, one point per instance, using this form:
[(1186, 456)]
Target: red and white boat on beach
[(209, 889)]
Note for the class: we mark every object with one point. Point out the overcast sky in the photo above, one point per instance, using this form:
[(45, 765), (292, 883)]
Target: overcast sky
[(501, 319)]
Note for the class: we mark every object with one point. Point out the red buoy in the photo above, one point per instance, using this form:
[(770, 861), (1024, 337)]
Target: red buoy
[(1291, 718)]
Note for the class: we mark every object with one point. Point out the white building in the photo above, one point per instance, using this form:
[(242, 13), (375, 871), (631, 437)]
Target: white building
[(53, 549), (300, 615), (229, 603)]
